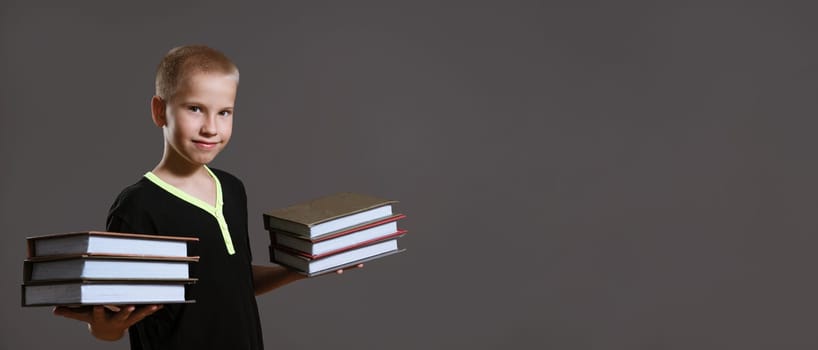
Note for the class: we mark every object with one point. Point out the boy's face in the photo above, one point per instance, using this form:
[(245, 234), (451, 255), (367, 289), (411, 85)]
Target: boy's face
[(199, 117)]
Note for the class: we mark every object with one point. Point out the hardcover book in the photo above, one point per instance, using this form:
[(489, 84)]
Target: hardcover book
[(99, 292), (313, 267), (327, 214), (85, 266), (99, 242), (341, 239)]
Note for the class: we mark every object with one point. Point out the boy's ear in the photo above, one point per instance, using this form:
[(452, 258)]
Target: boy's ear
[(158, 111)]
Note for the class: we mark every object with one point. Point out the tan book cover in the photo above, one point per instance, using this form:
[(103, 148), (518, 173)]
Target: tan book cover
[(324, 209)]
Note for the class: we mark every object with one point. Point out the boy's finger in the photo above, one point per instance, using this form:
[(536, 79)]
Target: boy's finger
[(143, 312), (74, 315), (98, 313), (60, 311), (65, 310), (341, 271), (124, 313)]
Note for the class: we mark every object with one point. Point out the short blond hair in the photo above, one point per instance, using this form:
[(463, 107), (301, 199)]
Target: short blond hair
[(184, 61)]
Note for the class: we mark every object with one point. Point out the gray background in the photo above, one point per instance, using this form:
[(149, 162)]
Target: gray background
[(576, 175)]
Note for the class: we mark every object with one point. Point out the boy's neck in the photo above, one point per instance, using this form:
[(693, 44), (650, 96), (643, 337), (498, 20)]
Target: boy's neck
[(193, 179), (173, 166)]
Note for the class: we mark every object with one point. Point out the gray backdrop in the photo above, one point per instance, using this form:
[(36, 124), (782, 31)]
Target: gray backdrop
[(576, 175)]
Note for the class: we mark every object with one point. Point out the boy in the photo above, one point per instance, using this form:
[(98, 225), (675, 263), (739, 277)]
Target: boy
[(195, 93)]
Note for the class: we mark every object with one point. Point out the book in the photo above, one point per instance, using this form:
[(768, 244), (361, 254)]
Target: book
[(313, 267), (341, 239), (99, 292), (320, 255), (332, 253), (98, 242), (85, 266), (327, 214)]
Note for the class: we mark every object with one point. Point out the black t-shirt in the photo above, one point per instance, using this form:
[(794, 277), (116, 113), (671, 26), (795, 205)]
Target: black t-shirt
[(225, 315)]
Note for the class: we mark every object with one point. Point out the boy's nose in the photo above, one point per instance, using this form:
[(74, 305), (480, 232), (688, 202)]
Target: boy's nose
[(209, 127)]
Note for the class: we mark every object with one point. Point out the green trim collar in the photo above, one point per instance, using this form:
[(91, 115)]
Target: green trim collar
[(215, 211)]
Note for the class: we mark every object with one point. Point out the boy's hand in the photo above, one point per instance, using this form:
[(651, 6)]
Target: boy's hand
[(341, 271), (267, 278), (107, 325)]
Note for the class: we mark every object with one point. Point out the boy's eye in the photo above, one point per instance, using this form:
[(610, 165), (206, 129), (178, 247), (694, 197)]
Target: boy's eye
[(195, 109), (226, 113)]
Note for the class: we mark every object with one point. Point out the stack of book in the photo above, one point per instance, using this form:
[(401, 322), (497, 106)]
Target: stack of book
[(333, 232), (106, 268)]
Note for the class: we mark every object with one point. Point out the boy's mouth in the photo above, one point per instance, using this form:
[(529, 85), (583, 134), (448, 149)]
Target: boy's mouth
[(205, 144)]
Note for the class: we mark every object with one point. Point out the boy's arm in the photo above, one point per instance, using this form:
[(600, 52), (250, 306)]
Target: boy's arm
[(267, 278), (106, 325)]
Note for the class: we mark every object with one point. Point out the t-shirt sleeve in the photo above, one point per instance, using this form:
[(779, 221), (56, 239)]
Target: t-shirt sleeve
[(116, 223), (128, 215)]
